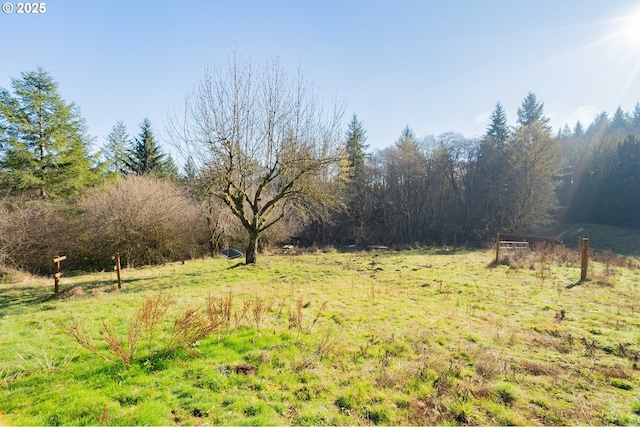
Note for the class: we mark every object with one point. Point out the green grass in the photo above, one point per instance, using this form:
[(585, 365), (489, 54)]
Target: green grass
[(621, 241), (415, 337)]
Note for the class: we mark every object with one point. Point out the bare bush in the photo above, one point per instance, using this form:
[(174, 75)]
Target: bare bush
[(145, 219), (4, 248), (151, 313), (124, 349), (33, 232), (79, 333), (219, 309), (190, 328)]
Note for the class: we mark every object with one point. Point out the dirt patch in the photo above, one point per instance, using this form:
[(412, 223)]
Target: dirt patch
[(72, 292)]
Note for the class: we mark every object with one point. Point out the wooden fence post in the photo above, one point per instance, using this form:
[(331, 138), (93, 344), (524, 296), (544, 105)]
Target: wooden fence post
[(497, 247), (584, 258), (116, 258), (57, 273)]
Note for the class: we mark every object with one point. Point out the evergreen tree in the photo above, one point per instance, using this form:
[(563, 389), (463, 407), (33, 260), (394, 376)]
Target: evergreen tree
[(578, 130), (357, 196), (356, 148), (115, 151), (564, 132), (407, 140), (44, 147), (190, 173), (498, 130), (492, 167), (635, 117), (532, 111), (599, 125), (145, 156), (619, 120), (169, 169), (622, 185)]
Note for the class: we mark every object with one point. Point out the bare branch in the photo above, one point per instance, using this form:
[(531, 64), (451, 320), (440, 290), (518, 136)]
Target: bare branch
[(263, 138)]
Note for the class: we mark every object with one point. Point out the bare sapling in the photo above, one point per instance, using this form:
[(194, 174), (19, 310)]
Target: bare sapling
[(77, 331), (258, 311), (124, 349), (151, 312), (190, 328)]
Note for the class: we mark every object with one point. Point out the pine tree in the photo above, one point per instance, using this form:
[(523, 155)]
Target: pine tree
[(532, 111), (407, 140), (44, 147), (498, 130), (356, 148), (619, 120), (635, 117), (169, 169), (599, 125), (564, 132), (115, 151), (493, 169), (578, 129), (145, 156), (357, 196), (622, 184)]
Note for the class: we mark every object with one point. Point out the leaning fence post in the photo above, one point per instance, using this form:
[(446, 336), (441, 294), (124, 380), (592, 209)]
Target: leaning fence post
[(116, 259), (57, 273), (584, 258), (497, 247)]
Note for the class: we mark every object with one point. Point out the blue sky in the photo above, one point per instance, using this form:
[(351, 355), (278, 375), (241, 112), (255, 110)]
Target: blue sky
[(434, 65)]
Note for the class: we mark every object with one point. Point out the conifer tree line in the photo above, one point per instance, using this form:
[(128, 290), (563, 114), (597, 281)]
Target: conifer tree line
[(271, 183), (140, 155), (520, 178)]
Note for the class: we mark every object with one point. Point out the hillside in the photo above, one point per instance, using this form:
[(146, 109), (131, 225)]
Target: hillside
[(398, 338), (621, 241)]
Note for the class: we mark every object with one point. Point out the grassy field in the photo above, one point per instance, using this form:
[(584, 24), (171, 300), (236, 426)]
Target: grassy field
[(412, 337)]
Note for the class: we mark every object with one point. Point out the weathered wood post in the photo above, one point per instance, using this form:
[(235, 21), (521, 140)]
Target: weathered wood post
[(56, 272), (116, 259), (497, 247), (584, 258)]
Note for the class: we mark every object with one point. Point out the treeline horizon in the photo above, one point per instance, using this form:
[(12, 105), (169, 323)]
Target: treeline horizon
[(516, 178)]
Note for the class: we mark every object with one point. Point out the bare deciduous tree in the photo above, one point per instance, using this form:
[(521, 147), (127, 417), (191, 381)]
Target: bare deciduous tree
[(267, 142)]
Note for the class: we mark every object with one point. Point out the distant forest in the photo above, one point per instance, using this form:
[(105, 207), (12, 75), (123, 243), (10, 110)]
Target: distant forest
[(315, 183), (517, 178)]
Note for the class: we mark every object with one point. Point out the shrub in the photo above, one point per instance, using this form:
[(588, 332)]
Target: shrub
[(33, 232), (145, 219), (190, 326)]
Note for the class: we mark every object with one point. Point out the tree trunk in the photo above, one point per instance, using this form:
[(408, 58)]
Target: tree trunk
[(213, 240), (252, 248)]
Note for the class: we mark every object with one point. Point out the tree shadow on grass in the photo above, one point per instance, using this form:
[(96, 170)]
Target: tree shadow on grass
[(133, 285), (578, 283), (16, 299), (236, 265)]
